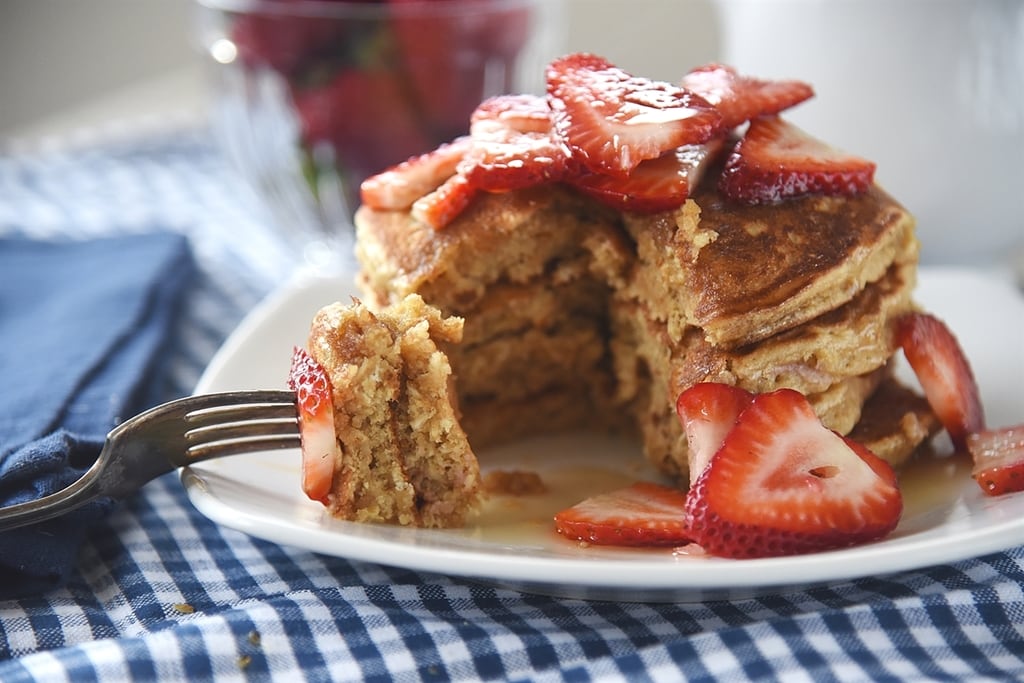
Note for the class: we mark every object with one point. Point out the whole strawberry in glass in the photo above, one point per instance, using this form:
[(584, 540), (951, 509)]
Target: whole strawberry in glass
[(365, 83)]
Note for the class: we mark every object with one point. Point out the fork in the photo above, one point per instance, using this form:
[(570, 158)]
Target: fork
[(167, 437)]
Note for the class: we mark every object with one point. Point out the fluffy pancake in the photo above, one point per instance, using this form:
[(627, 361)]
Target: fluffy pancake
[(580, 316), (405, 458), (512, 237), (894, 422), (851, 340), (722, 267)]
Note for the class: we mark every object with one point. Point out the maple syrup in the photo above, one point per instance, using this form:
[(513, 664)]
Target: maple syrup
[(931, 484)]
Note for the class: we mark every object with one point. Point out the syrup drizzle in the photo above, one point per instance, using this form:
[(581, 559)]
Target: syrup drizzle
[(931, 483)]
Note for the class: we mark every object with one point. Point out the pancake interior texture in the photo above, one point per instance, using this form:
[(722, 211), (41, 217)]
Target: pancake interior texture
[(581, 317), (404, 456)]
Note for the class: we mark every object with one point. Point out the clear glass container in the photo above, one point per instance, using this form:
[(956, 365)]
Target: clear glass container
[(310, 97)]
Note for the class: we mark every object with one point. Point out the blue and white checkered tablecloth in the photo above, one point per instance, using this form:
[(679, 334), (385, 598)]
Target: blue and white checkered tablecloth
[(161, 593)]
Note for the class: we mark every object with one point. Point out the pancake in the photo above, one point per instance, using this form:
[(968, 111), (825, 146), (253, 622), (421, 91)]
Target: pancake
[(895, 422), (741, 273), (513, 237), (511, 309), (596, 318), (405, 458), (852, 340)]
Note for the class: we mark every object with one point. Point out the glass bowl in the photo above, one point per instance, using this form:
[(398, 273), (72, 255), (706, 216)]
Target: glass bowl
[(310, 97)]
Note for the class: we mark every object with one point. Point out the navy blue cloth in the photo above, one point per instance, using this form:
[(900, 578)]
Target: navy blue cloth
[(82, 324)]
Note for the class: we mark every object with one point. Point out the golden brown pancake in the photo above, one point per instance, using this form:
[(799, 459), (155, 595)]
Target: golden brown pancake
[(580, 316), (405, 458), (513, 237), (895, 421), (851, 340), (743, 273)]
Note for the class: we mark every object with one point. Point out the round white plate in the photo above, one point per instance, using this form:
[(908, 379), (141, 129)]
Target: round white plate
[(513, 544)]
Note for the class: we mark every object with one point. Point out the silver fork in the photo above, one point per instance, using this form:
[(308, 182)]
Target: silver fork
[(169, 436)]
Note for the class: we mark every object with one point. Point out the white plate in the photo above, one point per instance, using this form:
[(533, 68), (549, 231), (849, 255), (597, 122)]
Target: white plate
[(946, 517)]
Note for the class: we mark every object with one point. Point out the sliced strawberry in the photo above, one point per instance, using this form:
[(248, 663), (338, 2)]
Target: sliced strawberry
[(776, 160), (501, 159), (742, 98), (320, 449), (708, 411), (401, 185), (643, 514), (523, 113), (440, 207), (654, 185), (944, 373), (612, 121), (783, 484), (998, 456), (512, 145)]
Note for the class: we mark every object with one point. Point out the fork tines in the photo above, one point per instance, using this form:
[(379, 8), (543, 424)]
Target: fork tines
[(257, 421)]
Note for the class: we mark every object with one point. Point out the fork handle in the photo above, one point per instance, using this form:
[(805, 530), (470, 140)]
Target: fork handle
[(72, 497)]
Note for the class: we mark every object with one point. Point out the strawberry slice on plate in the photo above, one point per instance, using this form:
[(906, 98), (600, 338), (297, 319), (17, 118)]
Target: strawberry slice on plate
[(401, 185), (784, 484), (654, 185), (708, 411), (998, 456), (611, 121), (320, 450), (740, 98), (944, 373), (642, 514), (775, 160)]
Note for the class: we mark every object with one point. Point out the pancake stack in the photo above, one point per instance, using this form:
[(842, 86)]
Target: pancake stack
[(578, 316), (604, 248), (531, 273), (801, 296)]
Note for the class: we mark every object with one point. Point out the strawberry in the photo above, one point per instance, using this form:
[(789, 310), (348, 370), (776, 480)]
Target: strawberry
[(453, 58), (401, 185), (742, 98), (654, 185), (440, 207), (776, 160), (611, 121), (522, 113), (643, 514), (320, 450), (512, 145), (365, 116), (998, 456), (944, 373), (708, 411), (501, 159), (782, 484), (282, 41)]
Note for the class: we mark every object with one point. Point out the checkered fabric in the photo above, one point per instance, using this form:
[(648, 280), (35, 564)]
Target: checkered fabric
[(161, 593)]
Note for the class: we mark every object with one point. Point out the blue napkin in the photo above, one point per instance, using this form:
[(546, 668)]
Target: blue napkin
[(82, 327)]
